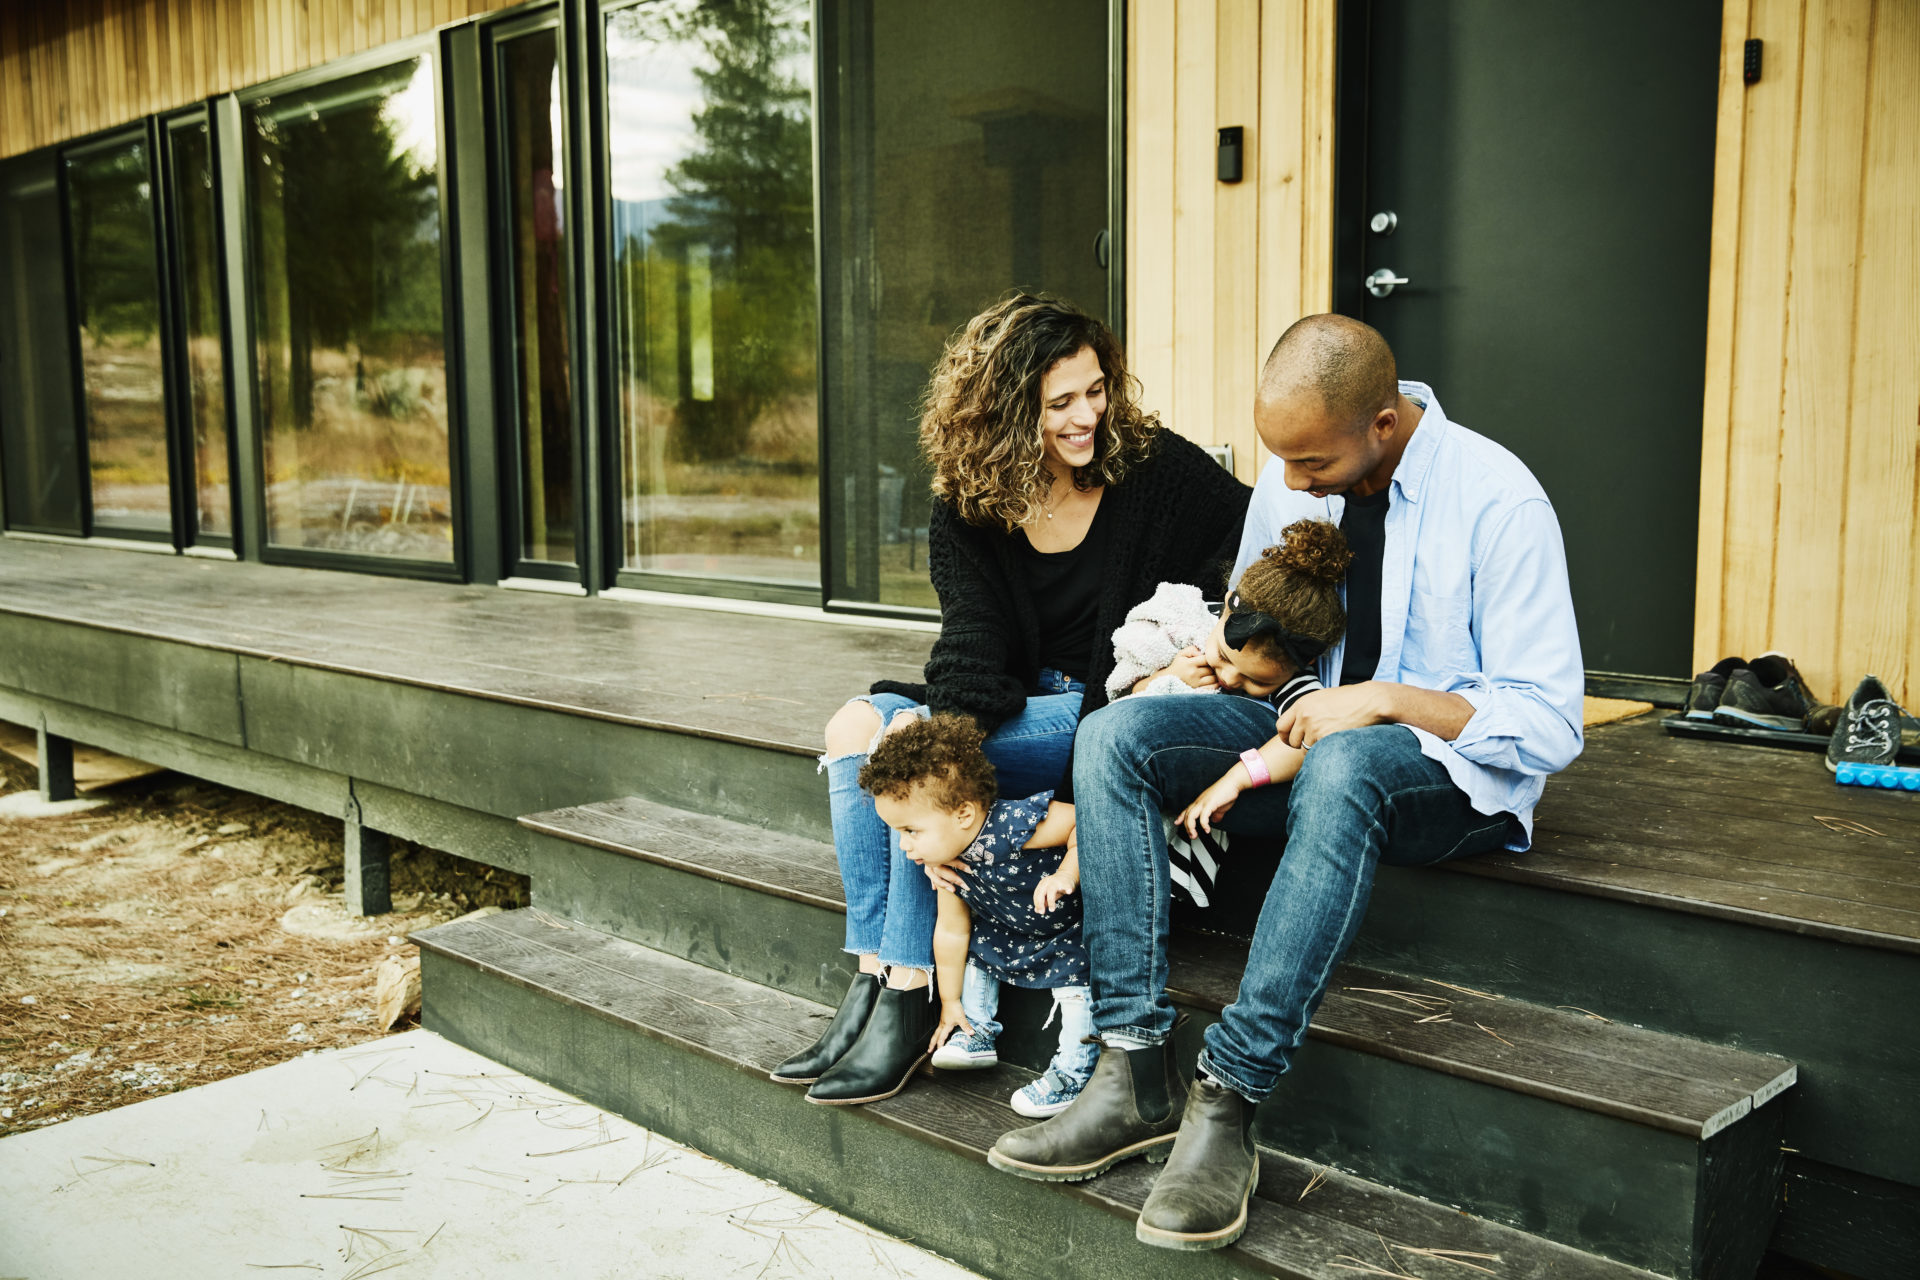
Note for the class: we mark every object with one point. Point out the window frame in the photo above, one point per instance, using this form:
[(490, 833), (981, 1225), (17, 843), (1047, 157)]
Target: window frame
[(178, 370), (143, 131), (502, 290), (429, 46)]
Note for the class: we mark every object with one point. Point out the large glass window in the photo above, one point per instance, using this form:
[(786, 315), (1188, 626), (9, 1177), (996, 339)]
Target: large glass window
[(202, 364), (534, 181), (351, 363), (39, 442), (964, 154), (712, 291), (117, 304)]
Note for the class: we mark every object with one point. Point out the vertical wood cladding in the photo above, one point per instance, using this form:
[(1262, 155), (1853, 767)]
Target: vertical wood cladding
[(1216, 271), (67, 70), (1810, 511)]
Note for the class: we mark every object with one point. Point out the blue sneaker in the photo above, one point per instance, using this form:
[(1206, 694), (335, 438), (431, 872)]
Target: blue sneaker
[(1051, 1094), (964, 1052)]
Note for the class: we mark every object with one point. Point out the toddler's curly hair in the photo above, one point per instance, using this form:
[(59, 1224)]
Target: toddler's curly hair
[(943, 754), (1297, 581)]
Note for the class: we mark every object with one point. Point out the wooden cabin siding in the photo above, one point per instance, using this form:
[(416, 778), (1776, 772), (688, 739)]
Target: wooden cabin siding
[(1809, 509), (1216, 271), (71, 69)]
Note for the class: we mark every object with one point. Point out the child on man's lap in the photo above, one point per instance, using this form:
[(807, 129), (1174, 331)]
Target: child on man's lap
[(1008, 910)]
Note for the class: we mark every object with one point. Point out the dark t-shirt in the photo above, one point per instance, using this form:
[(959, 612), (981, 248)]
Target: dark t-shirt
[(1365, 523), (1066, 597)]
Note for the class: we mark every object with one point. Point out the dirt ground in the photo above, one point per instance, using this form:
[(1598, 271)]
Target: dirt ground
[(185, 932)]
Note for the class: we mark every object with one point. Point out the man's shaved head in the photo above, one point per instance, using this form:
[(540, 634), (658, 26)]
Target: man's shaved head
[(1343, 362)]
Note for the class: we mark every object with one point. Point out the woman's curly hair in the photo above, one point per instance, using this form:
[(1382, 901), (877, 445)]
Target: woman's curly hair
[(1297, 582), (943, 754), (980, 418)]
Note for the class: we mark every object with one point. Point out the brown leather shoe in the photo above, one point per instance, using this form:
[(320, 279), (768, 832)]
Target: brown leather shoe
[(1200, 1198), (1131, 1107)]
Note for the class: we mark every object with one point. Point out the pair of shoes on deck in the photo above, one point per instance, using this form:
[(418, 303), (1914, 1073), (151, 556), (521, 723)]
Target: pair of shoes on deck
[(1766, 693), (1050, 1094), (875, 1042), (1137, 1104)]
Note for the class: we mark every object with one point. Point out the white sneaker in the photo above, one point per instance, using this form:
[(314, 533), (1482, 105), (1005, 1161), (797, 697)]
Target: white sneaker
[(1051, 1094), (964, 1052)]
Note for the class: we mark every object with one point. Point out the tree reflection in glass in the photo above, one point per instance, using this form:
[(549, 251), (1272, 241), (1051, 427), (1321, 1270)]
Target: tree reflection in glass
[(110, 220), (351, 362), (711, 161)]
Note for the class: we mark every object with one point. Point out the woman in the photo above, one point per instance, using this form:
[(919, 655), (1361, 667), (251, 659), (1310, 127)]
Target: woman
[(1058, 505)]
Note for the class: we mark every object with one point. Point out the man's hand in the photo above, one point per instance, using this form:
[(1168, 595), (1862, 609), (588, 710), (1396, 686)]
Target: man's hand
[(1325, 711), (1212, 804), (952, 1018), (1354, 706)]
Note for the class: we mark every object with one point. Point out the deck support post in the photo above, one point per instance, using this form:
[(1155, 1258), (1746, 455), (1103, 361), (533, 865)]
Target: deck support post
[(56, 766), (369, 887)]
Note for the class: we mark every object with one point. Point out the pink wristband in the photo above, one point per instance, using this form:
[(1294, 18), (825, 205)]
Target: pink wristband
[(1256, 767)]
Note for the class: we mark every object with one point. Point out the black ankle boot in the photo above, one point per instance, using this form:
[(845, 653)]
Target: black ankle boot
[(887, 1053), (1200, 1200), (855, 1007), (1131, 1107)]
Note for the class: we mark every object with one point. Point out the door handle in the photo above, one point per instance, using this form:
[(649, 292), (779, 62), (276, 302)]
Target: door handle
[(1381, 282)]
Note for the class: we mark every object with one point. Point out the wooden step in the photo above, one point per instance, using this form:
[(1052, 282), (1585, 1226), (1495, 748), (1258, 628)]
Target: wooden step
[(1574, 1056), (684, 1050), (1519, 1111)]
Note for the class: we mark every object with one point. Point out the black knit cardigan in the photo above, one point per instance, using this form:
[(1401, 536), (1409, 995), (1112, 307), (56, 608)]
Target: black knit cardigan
[(1175, 518)]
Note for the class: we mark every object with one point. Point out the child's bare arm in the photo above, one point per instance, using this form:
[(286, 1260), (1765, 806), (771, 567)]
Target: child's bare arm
[(1282, 761), (1054, 830), (952, 931)]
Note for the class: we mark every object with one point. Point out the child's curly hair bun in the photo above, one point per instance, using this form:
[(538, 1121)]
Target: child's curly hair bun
[(1314, 549)]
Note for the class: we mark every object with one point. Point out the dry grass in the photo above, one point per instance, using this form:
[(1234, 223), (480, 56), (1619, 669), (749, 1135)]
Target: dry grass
[(141, 947)]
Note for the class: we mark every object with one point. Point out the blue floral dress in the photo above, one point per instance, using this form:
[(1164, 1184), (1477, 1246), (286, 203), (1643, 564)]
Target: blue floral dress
[(1011, 940)]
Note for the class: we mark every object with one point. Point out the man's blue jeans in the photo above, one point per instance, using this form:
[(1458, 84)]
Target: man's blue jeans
[(890, 903), (1363, 796)]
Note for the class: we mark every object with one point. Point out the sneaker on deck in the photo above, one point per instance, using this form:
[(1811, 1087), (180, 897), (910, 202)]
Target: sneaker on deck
[(1767, 694), (1051, 1094), (1704, 694), (1869, 728), (965, 1051)]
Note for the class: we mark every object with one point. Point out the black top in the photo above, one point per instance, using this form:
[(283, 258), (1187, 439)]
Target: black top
[(1065, 587), (1176, 518), (1365, 523)]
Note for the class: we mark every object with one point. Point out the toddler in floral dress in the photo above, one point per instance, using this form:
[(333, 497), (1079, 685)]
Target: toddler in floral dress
[(1008, 907)]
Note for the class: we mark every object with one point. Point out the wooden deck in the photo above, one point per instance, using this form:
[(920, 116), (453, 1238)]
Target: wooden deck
[(1746, 833)]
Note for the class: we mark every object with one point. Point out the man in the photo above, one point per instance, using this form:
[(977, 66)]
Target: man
[(1456, 690)]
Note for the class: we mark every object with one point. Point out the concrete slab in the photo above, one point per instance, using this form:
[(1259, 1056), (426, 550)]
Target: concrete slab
[(409, 1157)]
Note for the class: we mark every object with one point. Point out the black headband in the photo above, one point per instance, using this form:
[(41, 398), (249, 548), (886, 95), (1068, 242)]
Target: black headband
[(1244, 624)]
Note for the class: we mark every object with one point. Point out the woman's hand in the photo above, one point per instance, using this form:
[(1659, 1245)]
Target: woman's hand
[(947, 875), (1192, 668), (1212, 804), (1047, 894), (952, 1018)]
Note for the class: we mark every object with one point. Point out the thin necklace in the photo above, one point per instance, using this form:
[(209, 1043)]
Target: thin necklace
[(1045, 505)]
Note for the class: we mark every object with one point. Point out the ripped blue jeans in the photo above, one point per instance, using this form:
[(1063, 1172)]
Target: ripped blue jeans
[(890, 904)]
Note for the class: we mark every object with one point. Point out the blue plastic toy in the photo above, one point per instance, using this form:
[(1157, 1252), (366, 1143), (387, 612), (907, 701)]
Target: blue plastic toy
[(1885, 776)]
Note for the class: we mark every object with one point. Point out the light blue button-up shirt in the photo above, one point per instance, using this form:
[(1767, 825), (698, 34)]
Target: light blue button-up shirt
[(1473, 601)]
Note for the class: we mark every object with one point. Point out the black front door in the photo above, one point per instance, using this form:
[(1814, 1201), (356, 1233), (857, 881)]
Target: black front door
[(1541, 177)]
